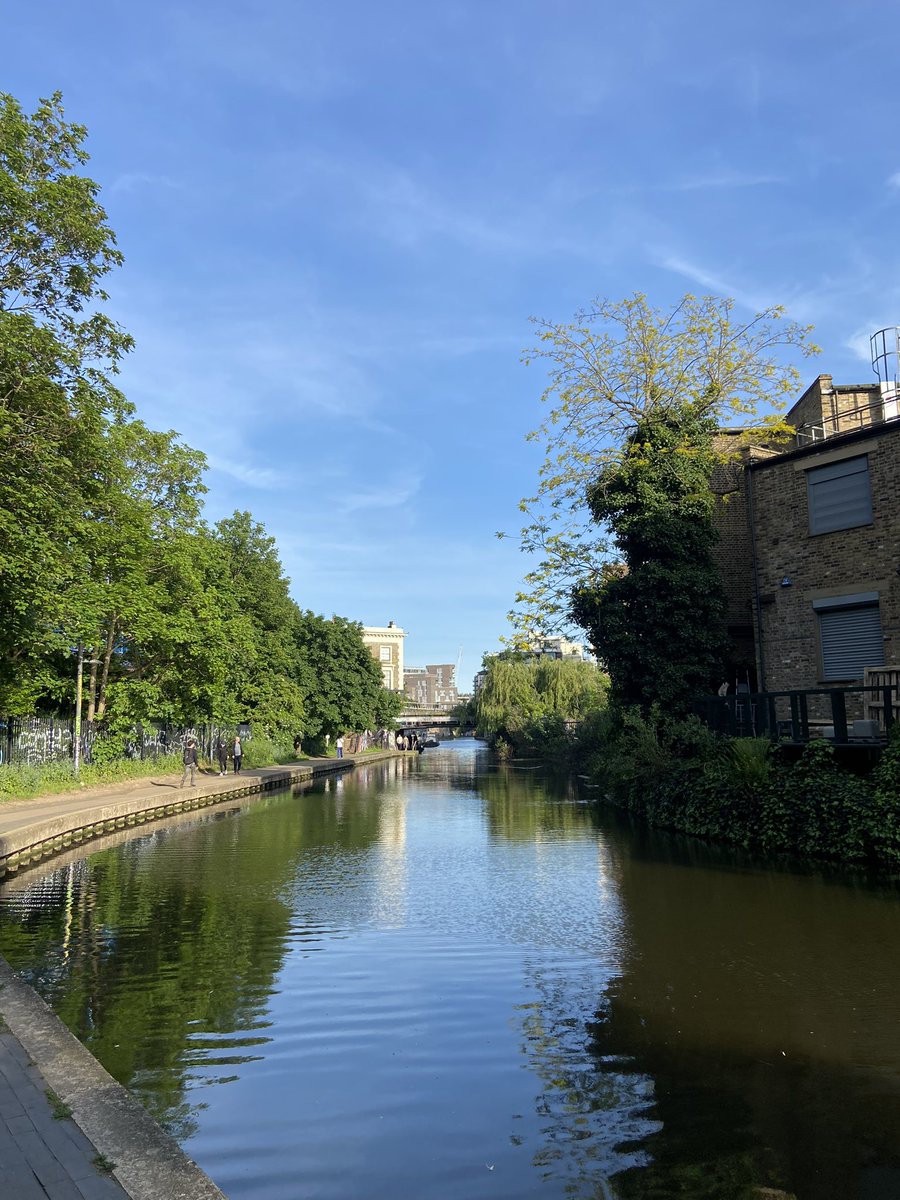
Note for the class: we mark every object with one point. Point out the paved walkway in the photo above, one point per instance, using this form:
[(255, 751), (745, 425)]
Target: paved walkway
[(108, 1147), (43, 1153)]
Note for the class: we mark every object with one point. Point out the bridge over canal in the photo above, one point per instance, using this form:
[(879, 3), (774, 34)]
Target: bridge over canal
[(427, 718)]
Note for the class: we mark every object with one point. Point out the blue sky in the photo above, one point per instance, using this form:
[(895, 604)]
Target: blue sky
[(338, 218)]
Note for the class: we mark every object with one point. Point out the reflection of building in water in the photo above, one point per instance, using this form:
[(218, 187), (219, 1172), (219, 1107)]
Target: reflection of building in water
[(389, 902)]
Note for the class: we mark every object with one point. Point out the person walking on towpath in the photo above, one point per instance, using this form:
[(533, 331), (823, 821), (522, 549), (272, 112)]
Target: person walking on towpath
[(339, 744), (189, 758), (222, 754), (237, 753)]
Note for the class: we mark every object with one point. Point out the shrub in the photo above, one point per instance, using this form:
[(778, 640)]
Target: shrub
[(749, 763)]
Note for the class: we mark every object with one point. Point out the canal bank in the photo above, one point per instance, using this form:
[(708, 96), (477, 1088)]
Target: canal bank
[(68, 1130), (31, 830)]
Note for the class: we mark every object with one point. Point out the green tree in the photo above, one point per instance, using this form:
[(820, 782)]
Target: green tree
[(341, 681), (58, 351), (55, 244), (263, 681), (524, 695), (616, 365), (659, 623)]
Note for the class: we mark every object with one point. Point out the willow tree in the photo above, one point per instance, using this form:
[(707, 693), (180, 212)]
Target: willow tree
[(520, 691), (616, 365)]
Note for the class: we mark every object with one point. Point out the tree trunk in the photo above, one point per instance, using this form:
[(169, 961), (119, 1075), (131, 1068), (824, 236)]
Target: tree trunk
[(92, 687), (107, 657)]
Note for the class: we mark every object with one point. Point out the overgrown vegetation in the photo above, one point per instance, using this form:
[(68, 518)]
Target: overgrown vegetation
[(534, 704), (658, 621), (746, 792), (104, 553), (22, 781)]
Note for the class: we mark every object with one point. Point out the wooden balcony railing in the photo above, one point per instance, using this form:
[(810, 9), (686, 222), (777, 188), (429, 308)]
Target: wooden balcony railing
[(802, 715)]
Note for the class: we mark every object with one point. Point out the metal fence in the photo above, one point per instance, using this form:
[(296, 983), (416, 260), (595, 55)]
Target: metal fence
[(38, 740), (798, 716)]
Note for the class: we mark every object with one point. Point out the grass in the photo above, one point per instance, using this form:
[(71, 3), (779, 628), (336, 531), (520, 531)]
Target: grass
[(61, 1110), (103, 1164), (21, 781)]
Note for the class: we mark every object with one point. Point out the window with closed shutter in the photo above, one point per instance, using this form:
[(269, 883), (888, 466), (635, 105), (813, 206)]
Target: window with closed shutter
[(839, 495), (850, 634)]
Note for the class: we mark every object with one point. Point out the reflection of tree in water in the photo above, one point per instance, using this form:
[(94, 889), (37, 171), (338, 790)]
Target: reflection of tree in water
[(593, 1116), (763, 1005), (161, 955), (523, 804)]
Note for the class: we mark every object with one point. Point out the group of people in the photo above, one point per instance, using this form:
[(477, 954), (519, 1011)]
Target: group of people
[(223, 749)]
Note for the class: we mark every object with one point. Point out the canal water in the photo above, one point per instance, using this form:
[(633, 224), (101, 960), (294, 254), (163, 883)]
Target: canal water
[(445, 979)]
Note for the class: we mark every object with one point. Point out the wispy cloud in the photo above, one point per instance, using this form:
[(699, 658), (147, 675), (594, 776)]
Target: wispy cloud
[(280, 48), (391, 494), (893, 181), (722, 180), (717, 284), (263, 478), (143, 181)]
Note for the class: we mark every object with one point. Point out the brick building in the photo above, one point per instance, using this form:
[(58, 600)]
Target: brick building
[(810, 541)]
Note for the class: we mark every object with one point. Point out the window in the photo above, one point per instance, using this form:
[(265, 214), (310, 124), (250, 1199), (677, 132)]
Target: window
[(839, 495), (850, 635), (385, 653)]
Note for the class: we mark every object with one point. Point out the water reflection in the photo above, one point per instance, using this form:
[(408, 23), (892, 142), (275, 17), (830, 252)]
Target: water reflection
[(458, 981), (764, 1005)]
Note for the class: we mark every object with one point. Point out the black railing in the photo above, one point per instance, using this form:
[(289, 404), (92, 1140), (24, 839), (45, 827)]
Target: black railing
[(799, 716)]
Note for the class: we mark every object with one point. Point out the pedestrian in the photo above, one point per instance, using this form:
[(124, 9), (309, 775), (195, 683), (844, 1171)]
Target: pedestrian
[(222, 754), (189, 758), (297, 745), (237, 753), (339, 744)]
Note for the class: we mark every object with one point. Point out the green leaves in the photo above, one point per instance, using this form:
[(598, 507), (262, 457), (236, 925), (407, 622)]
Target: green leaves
[(55, 245), (617, 365), (102, 542), (658, 624)]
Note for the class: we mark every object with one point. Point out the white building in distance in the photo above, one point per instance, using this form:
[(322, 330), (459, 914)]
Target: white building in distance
[(385, 643)]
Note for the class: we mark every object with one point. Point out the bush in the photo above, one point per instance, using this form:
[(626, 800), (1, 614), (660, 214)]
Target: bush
[(885, 833), (815, 809), (749, 763), (262, 751)]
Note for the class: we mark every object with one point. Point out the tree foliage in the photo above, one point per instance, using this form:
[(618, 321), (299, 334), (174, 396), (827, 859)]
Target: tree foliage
[(342, 682), (658, 623), (520, 692), (103, 546), (614, 367)]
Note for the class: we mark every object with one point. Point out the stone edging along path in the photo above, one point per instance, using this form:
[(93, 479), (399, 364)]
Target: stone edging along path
[(31, 830)]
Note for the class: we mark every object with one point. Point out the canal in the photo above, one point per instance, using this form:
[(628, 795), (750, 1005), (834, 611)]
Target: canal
[(444, 979)]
